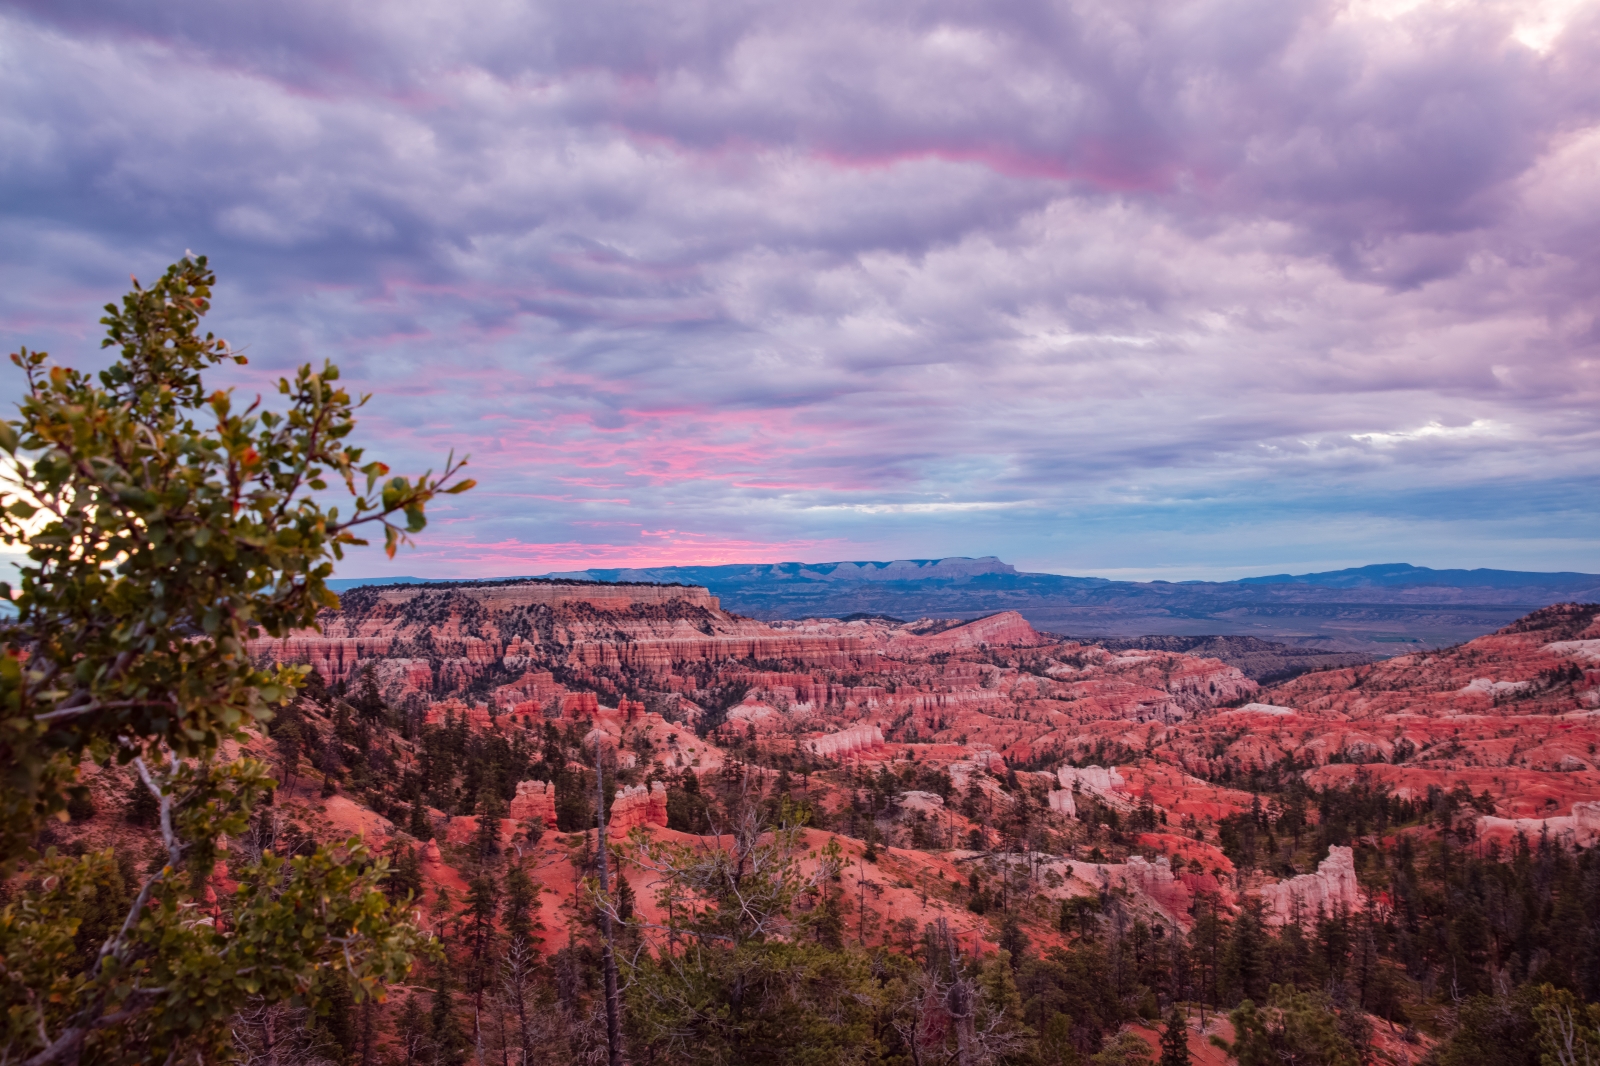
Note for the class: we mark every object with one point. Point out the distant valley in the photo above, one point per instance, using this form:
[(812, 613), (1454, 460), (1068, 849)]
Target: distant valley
[(1377, 610)]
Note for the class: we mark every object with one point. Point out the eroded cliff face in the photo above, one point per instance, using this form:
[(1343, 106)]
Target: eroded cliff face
[(1512, 715), (523, 648), (526, 652), (1076, 734)]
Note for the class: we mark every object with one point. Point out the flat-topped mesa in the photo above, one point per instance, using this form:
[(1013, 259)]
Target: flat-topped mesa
[(543, 593), (1333, 888)]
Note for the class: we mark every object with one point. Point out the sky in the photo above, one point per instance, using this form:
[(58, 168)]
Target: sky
[(1144, 288)]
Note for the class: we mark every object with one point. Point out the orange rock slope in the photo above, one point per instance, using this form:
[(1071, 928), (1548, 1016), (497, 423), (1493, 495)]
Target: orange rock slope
[(1013, 717)]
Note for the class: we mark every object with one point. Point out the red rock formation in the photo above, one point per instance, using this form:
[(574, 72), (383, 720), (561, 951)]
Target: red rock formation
[(580, 705), (1513, 714), (861, 738), (1006, 629), (606, 631), (1156, 881), (1332, 889), (1102, 782), (535, 800), (637, 805)]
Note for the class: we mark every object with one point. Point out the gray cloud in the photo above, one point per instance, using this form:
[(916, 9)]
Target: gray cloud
[(725, 280)]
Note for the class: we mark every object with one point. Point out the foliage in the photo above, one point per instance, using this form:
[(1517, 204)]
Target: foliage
[(158, 545), (164, 528), (1569, 1030), (173, 975), (1175, 1041), (1295, 1027), (1495, 1031), (1124, 1049)]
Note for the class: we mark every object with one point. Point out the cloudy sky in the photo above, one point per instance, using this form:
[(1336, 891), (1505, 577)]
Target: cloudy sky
[(1179, 288)]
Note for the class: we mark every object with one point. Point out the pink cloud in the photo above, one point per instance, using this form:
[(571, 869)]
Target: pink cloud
[(897, 280)]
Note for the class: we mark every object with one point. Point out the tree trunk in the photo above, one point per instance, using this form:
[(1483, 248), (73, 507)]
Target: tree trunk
[(608, 947), (960, 1002), (269, 1041)]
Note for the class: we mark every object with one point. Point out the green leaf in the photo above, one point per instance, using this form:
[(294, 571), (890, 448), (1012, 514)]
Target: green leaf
[(159, 541)]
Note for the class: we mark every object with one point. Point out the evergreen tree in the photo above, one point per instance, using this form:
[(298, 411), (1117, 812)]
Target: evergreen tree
[(1244, 965), (1495, 1031), (1124, 1049), (1055, 1042), (289, 738), (447, 1042), (1013, 941), (413, 1029), (486, 841), (368, 703), (483, 902), (521, 899), (1175, 1041), (420, 825), (405, 876), (1297, 1027), (336, 1022), (328, 764), (142, 807)]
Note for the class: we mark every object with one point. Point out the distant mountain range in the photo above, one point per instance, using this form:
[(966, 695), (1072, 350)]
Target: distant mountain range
[(1403, 575), (1368, 608)]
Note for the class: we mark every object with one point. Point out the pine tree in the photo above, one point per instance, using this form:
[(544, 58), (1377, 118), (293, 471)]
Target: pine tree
[(1244, 964), (486, 841), (449, 1042), (405, 877), (1013, 940), (329, 765), (413, 1029), (290, 740), (1175, 1041), (420, 825), (625, 901), (521, 897), (483, 903)]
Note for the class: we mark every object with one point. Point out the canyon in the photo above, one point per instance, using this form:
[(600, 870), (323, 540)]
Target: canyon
[(979, 749)]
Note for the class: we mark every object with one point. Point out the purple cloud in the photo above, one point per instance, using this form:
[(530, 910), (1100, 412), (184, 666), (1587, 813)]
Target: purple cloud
[(1224, 284)]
